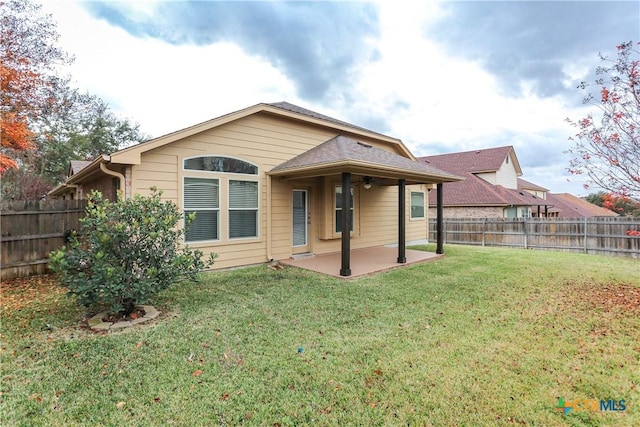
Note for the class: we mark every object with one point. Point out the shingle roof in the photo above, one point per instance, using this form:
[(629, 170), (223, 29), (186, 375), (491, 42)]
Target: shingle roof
[(476, 161), (475, 191), (570, 206), (523, 184), (78, 165), (296, 109), (342, 149)]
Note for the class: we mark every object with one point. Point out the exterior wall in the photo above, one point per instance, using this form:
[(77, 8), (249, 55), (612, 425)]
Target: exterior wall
[(540, 194), (375, 217), (106, 185), (507, 175), (267, 141), (490, 177)]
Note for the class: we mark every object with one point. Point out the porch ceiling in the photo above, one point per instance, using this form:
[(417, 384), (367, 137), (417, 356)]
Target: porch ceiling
[(343, 154)]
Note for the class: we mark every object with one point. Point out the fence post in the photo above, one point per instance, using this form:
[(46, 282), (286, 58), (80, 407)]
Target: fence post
[(526, 235), (484, 229), (586, 222)]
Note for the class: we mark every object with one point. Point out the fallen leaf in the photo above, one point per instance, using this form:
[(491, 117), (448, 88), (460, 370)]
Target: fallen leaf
[(156, 399), (139, 344), (196, 373), (120, 404), (36, 397), (224, 396)]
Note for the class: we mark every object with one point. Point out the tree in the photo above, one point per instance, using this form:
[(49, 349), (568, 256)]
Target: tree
[(621, 205), (126, 252), (82, 127), (607, 145), (28, 57), (45, 122)]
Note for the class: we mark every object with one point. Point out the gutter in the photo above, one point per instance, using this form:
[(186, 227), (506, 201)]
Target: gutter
[(118, 175)]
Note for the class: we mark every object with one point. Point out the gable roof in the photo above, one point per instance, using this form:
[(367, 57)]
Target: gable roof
[(131, 155), (475, 191), (344, 154), (526, 185), (475, 161), (570, 206), (77, 165)]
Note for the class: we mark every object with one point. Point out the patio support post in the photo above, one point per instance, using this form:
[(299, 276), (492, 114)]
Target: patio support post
[(401, 222), (345, 269), (439, 215)]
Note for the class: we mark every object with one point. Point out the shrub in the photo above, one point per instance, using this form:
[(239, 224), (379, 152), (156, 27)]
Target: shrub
[(126, 252)]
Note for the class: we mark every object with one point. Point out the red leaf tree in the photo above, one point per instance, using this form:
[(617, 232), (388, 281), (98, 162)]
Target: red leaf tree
[(28, 57), (607, 145)]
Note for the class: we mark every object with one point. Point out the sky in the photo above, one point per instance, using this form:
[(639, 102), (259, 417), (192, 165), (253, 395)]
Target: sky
[(442, 76)]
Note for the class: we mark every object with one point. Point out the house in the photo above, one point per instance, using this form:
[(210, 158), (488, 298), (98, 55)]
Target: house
[(569, 206), (275, 180), (492, 187)]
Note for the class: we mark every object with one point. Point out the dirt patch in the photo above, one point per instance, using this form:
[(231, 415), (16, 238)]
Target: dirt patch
[(608, 297), (17, 294)]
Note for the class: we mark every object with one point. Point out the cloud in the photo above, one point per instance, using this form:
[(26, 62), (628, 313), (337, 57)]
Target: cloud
[(535, 45), (315, 44)]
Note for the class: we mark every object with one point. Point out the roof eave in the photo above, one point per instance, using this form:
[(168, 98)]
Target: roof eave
[(362, 168), (131, 155)]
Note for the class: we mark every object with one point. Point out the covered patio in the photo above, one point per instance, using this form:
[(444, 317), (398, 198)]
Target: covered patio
[(354, 161), (364, 261)]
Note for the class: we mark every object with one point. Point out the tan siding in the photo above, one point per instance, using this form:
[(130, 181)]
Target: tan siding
[(267, 141)]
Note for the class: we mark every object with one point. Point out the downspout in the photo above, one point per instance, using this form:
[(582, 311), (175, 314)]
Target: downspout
[(118, 175), (269, 254)]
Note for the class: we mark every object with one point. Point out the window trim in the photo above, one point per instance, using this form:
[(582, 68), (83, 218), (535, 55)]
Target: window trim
[(223, 215), (424, 209), (218, 209), (228, 209), (335, 210), (184, 159)]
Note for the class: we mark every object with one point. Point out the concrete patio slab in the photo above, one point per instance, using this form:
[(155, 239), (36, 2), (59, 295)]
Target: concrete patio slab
[(363, 261)]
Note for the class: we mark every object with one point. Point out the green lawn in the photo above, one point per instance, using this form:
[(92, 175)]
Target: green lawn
[(482, 337)]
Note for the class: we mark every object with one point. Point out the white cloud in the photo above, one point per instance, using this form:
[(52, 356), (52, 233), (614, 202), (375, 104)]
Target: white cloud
[(162, 86), (429, 97)]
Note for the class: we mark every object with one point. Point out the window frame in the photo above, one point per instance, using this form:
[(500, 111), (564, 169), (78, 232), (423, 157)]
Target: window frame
[(424, 210), (185, 210), (335, 210), (256, 209), (224, 208)]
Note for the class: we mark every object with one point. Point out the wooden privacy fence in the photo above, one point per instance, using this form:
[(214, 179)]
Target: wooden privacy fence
[(30, 230), (606, 235)]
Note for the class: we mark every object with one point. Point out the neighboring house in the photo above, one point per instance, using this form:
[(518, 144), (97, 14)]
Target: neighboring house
[(492, 187), (267, 182), (569, 206)]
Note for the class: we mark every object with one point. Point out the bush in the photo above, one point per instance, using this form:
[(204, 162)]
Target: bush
[(125, 253)]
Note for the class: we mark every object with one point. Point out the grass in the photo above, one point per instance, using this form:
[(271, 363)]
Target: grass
[(482, 337)]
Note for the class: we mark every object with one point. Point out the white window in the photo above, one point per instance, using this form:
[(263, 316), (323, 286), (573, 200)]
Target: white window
[(212, 177), (243, 209), (417, 205), (202, 197), (338, 209)]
